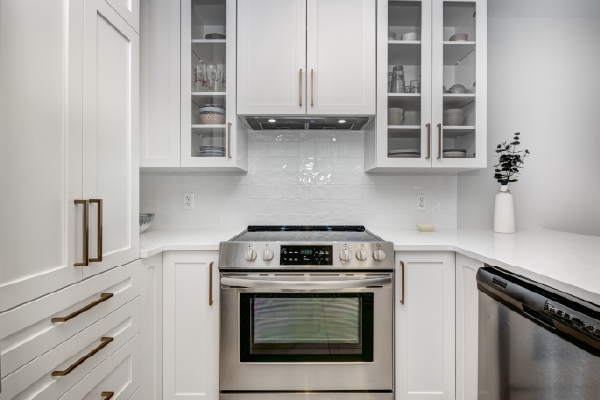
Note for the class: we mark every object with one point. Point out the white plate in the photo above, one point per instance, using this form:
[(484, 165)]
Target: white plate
[(404, 151)]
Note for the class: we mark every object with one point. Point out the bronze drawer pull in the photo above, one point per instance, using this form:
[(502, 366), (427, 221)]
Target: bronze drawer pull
[(103, 297), (99, 202), (105, 342), (428, 141), (108, 395), (439, 126), (300, 87), (312, 81)]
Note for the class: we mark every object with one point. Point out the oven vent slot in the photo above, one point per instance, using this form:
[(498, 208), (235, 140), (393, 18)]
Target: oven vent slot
[(238, 287), (368, 287), (324, 274), (288, 274)]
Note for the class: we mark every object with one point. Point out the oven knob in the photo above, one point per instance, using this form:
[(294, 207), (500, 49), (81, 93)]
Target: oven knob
[(345, 255), (267, 254), (250, 255), (361, 255), (379, 255)]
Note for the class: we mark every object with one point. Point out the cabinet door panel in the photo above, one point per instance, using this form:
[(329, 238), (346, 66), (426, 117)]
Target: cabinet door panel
[(191, 326), (40, 147), (110, 142), (341, 56), (425, 336), (271, 53)]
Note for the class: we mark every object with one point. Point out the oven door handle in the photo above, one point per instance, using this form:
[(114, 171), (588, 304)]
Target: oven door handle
[(349, 284)]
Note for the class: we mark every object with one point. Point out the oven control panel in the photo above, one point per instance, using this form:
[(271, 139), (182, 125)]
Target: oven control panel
[(306, 255)]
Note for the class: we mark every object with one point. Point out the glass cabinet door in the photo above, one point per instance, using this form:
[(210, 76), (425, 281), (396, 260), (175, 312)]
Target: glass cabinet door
[(458, 76), (404, 37)]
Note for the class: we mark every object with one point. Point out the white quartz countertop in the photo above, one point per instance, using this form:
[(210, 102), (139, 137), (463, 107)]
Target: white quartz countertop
[(565, 261)]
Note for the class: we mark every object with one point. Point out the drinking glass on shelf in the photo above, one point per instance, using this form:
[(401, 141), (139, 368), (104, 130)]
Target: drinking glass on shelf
[(199, 79), (398, 79), (219, 81), (211, 72)]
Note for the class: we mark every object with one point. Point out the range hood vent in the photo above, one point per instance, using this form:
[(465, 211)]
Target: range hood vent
[(306, 123)]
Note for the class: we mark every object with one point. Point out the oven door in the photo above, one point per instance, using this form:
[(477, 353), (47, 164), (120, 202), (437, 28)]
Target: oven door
[(302, 331)]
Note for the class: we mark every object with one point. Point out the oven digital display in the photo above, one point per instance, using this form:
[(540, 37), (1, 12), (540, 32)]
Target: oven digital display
[(306, 255)]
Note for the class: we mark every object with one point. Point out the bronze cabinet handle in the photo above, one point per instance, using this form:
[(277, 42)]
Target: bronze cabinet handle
[(300, 86), (229, 139), (428, 141), (312, 81), (108, 395), (402, 300), (103, 298), (100, 220), (210, 300), (86, 220), (105, 342), (439, 126)]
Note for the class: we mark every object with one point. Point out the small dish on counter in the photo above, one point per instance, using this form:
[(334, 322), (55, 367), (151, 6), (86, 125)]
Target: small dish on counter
[(426, 227), (145, 221)]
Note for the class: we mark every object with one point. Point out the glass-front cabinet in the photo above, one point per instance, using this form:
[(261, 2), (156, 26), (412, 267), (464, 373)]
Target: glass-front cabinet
[(431, 86), (211, 135)]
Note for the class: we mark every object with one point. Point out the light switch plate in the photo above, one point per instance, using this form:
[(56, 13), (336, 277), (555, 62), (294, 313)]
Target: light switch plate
[(421, 202), (188, 201)]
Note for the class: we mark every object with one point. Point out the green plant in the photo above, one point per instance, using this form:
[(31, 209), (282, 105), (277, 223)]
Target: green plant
[(510, 161)]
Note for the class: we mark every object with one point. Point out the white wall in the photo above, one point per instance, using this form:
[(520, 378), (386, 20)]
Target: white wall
[(299, 178), (544, 81)]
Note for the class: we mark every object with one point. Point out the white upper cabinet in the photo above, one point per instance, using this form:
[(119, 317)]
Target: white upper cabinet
[(41, 238), (411, 128), (272, 57), (340, 57), (110, 136), (298, 57)]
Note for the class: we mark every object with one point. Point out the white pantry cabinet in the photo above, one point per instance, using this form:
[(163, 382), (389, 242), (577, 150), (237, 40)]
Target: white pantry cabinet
[(110, 136), (431, 64), (314, 57), (191, 325), (40, 148), (467, 327), (425, 325), (174, 45)]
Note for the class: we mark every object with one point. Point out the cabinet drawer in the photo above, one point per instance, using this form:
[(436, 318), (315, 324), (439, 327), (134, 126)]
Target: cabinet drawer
[(35, 380), (27, 331), (118, 374)]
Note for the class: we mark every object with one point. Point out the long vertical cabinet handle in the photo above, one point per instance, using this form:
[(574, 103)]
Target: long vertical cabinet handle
[(402, 300), (100, 220), (439, 126), (300, 87), (229, 139), (210, 301), (86, 220), (312, 82), (428, 141)]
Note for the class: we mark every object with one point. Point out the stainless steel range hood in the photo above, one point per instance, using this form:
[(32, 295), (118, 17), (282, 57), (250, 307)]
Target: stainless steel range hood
[(306, 123)]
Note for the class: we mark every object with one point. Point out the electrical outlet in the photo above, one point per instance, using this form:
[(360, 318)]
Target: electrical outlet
[(422, 202), (188, 201)]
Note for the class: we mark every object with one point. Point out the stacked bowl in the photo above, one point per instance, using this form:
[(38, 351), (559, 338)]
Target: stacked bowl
[(211, 151), (395, 116), (212, 114), (454, 117)]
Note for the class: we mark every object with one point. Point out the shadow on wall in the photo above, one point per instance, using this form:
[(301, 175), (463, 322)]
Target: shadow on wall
[(546, 85)]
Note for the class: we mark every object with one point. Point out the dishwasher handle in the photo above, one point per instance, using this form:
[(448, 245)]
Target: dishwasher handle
[(321, 285)]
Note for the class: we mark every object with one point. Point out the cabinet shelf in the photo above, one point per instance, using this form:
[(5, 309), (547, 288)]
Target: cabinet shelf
[(456, 51), (209, 40), (454, 131), (404, 52), (208, 94), (404, 131), (209, 126), (406, 101), (457, 100)]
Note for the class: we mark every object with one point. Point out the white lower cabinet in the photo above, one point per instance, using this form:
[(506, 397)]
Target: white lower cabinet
[(467, 327), (425, 325), (190, 325), (118, 375)]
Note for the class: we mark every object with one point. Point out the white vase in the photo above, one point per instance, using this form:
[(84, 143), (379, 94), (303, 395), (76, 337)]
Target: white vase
[(504, 212)]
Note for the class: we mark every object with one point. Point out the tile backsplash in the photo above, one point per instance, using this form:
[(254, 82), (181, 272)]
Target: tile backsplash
[(299, 178)]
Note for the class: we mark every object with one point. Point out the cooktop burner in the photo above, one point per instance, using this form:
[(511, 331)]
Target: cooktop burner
[(306, 233)]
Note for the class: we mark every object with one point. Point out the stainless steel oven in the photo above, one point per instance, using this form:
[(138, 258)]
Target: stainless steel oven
[(301, 319), (281, 330)]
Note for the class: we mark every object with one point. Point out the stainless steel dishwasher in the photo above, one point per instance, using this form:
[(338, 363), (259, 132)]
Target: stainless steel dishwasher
[(535, 342)]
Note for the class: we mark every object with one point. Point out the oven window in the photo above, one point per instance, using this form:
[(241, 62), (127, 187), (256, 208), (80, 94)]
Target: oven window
[(306, 327)]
